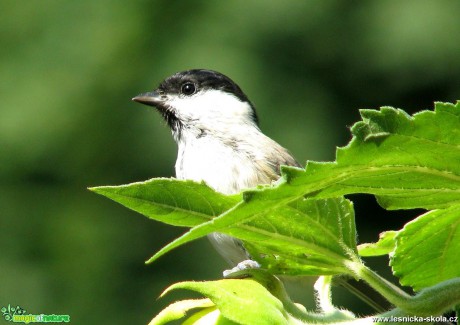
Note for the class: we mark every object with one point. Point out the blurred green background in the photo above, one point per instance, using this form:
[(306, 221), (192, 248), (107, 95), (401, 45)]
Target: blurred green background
[(68, 71)]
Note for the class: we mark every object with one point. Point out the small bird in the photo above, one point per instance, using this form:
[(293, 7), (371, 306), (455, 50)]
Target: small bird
[(219, 140)]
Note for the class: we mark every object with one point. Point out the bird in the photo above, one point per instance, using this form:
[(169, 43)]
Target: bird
[(219, 140)]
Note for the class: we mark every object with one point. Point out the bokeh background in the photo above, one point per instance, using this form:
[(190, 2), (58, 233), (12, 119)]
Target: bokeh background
[(68, 71)]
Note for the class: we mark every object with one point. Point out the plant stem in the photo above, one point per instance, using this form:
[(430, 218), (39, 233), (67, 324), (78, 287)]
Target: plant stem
[(323, 293), (430, 301), (391, 292)]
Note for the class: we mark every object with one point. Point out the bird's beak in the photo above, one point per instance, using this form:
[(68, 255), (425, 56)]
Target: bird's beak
[(153, 98)]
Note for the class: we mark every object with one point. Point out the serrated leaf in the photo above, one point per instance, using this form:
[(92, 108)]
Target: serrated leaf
[(408, 162), (384, 246), (426, 249), (241, 301), (307, 236), (172, 201)]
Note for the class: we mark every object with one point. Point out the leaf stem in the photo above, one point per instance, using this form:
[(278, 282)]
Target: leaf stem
[(430, 301), (392, 293), (323, 293)]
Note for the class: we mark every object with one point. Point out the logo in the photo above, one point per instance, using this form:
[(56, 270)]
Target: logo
[(18, 315)]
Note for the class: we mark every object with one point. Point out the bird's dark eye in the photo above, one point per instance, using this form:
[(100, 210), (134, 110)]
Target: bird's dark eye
[(188, 89)]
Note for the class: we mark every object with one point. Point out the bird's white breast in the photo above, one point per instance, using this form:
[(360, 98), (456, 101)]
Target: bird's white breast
[(208, 159)]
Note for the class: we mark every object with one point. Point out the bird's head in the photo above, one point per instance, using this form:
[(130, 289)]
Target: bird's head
[(201, 101)]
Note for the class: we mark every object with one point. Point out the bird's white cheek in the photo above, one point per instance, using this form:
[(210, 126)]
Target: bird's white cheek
[(211, 104)]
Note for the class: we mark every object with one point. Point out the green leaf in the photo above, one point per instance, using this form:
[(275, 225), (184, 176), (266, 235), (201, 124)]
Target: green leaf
[(172, 201), (253, 296), (306, 236), (396, 157), (241, 301), (427, 248), (384, 246), (179, 309), (208, 317), (392, 155), (300, 225)]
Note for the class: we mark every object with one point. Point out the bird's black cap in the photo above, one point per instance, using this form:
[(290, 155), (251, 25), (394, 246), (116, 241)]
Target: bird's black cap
[(201, 79), (204, 79)]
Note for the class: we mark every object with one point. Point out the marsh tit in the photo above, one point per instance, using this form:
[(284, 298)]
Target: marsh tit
[(219, 140)]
